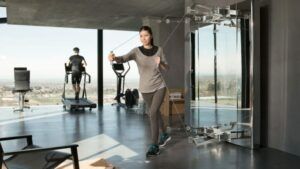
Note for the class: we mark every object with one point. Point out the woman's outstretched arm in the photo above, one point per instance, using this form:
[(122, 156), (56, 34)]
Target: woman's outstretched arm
[(163, 61), (124, 58)]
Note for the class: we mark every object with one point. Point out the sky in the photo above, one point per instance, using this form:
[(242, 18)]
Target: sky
[(44, 50)]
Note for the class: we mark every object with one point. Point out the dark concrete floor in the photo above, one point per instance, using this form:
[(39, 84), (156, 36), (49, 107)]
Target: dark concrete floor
[(130, 130)]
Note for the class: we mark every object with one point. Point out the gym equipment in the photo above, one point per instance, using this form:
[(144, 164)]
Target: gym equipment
[(120, 73), (3, 20), (226, 132), (32, 156), (83, 102), (136, 97), (131, 97), (206, 135), (22, 86)]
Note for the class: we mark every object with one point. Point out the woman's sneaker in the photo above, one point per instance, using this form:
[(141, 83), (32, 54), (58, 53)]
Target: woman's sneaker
[(153, 150), (164, 139)]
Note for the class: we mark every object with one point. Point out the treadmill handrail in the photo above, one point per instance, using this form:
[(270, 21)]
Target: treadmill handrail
[(88, 75), (85, 81), (83, 73)]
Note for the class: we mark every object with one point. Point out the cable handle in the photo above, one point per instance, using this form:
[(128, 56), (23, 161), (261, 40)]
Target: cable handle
[(111, 53)]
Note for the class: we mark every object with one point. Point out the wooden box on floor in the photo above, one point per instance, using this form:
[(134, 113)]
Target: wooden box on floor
[(170, 106)]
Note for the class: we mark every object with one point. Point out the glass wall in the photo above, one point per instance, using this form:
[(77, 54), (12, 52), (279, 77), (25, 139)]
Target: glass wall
[(121, 42), (224, 58), (219, 74), (3, 12), (44, 50), (228, 64), (204, 65)]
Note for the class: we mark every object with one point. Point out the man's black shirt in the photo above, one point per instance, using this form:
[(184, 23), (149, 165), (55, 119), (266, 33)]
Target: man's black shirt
[(76, 63)]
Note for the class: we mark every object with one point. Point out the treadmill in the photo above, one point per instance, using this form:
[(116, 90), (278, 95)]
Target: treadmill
[(83, 102)]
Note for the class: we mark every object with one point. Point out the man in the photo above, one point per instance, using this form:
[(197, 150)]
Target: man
[(77, 64)]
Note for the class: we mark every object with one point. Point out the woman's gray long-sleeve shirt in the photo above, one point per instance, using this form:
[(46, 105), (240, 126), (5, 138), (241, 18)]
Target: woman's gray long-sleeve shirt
[(150, 76)]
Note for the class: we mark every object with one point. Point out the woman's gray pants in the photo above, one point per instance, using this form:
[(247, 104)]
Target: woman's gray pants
[(153, 103)]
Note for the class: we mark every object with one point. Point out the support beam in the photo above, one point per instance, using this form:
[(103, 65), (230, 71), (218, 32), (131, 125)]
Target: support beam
[(193, 70), (215, 64), (255, 72), (100, 67), (245, 53), (187, 73)]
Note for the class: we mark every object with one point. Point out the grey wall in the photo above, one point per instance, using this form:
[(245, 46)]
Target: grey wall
[(173, 49), (187, 67), (282, 103)]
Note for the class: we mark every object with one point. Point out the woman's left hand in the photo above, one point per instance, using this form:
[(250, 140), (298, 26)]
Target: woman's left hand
[(157, 60)]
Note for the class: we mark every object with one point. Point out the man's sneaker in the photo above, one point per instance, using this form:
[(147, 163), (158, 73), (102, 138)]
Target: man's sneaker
[(164, 139), (153, 150)]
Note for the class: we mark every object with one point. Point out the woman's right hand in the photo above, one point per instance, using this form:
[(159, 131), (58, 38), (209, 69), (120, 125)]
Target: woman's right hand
[(111, 57)]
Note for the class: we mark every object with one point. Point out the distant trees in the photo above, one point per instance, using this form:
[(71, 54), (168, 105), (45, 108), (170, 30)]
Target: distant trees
[(211, 86)]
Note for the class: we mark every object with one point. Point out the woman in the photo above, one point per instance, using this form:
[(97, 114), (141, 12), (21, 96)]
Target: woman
[(150, 59)]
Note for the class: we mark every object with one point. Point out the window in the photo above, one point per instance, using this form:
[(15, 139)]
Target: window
[(3, 12), (44, 50), (228, 65), (125, 41), (204, 64)]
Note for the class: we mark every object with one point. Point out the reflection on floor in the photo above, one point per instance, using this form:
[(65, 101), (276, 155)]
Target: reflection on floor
[(218, 116), (122, 137)]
